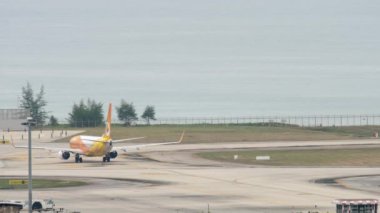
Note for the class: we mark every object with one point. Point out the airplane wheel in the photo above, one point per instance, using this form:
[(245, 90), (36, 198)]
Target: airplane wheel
[(108, 159), (36, 206), (104, 159), (80, 160)]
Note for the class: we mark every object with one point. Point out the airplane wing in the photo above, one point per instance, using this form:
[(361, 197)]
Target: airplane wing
[(139, 146), (115, 141), (127, 139), (50, 149)]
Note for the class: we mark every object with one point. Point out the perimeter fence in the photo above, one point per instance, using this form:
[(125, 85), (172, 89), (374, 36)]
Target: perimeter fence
[(299, 121), (11, 119)]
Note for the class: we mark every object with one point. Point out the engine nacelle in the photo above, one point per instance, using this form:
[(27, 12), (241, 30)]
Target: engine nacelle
[(64, 155), (113, 154)]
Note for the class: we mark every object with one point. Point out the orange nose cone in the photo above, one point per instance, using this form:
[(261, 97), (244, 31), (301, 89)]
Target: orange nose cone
[(75, 142)]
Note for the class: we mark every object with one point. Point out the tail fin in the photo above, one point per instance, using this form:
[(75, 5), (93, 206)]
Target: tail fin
[(108, 122)]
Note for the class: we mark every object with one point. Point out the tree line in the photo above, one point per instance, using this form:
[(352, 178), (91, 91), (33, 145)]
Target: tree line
[(83, 111)]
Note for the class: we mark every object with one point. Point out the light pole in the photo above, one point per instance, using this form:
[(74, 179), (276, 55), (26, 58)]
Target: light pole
[(29, 122)]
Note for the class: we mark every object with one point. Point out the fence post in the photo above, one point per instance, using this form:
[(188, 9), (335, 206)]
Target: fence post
[(334, 121), (374, 120)]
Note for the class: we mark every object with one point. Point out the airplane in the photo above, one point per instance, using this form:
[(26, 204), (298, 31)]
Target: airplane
[(93, 146)]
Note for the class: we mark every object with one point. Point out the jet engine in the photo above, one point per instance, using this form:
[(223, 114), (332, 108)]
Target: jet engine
[(64, 155), (113, 154)]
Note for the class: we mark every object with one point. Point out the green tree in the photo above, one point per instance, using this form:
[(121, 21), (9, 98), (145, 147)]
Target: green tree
[(53, 121), (149, 114), (36, 104), (126, 113), (84, 115)]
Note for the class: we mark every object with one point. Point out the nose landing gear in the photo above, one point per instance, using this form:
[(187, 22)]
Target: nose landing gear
[(78, 159), (107, 158)]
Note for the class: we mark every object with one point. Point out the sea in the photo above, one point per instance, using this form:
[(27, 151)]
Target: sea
[(198, 58)]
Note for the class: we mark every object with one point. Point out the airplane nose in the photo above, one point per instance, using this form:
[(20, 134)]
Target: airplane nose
[(74, 140)]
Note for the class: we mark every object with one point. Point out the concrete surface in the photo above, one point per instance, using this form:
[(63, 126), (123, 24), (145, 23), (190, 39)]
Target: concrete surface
[(172, 179)]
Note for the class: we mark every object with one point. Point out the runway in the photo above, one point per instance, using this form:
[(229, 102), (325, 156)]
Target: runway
[(172, 179)]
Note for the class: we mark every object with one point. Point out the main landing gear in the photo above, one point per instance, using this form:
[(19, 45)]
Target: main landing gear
[(107, 158), (78, 159)]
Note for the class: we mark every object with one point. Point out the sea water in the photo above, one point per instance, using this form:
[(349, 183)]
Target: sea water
[(194, 58)]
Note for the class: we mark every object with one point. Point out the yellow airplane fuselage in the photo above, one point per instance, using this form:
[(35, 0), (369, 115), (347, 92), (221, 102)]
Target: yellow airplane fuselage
[(91, 146)]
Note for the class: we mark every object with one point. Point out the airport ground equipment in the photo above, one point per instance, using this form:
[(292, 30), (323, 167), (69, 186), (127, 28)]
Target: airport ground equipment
[(11, 205), (356, 205), (42, 205)]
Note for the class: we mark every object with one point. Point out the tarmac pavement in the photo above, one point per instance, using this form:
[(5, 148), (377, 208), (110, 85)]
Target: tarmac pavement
[(171, 179)]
